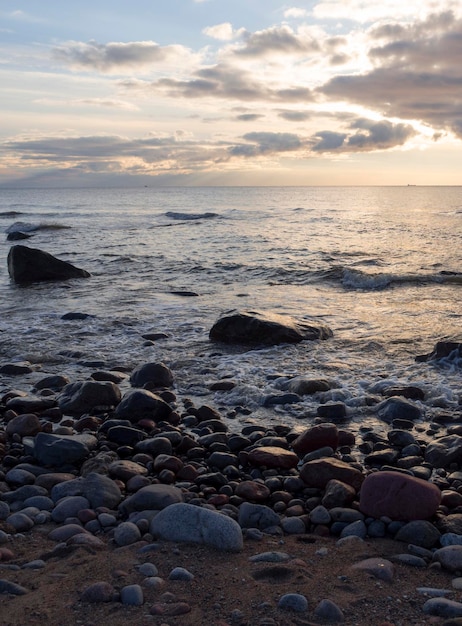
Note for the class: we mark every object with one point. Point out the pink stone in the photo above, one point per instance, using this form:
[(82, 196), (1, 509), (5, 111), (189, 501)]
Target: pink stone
[(273, 457), (379, 568), (173, 609), (320, 436), (6, 554), (100, 591), (398, 496)]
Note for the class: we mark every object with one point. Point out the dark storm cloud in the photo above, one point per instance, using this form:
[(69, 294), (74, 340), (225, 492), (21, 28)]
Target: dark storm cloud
[(266, 143), (417, 73), (114, 55), (364, 135)]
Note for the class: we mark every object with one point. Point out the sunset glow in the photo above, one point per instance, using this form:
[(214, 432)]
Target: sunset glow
[(203, 92)]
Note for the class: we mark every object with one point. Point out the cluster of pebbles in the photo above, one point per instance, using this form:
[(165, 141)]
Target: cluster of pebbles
[(101, 466)]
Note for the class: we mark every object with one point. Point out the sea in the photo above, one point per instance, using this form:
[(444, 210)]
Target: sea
[(381, 266)]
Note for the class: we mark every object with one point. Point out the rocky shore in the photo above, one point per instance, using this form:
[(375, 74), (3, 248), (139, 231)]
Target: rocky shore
[(120, 501)]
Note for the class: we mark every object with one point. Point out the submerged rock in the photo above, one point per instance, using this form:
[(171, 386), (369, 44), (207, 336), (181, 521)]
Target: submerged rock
[(442, 350), (30, 265), (257, 328)]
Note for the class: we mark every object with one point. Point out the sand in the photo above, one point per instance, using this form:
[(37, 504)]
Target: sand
[(227, 587)]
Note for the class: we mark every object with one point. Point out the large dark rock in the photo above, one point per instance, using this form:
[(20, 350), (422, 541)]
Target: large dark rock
[(139, 404), (57, 450), (319, 472), (398, 496), (398, 408), (444, 451), (442, 350), (256, 328), (316, 437), (82, 397), (152, 498), (157, 375), (30, 265)]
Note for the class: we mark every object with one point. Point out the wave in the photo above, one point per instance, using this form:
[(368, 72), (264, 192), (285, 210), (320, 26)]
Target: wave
[(177, 215), (10, 213), (356, 279), (25, 227)]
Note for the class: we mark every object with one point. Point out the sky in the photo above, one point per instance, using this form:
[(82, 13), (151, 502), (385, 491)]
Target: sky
[(230, 92)]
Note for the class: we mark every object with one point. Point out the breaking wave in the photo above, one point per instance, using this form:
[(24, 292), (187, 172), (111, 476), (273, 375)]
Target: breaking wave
[(178, 215), (25, 227)]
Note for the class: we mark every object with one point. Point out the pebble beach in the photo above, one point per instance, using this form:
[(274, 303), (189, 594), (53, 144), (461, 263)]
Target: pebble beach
[(121, 500)]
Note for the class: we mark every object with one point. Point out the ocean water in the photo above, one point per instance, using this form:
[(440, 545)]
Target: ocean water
[(379, 265)]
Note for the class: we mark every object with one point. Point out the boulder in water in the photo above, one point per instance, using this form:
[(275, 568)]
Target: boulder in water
[(442, 350), (17, 236), (30, 265), (257, 328)]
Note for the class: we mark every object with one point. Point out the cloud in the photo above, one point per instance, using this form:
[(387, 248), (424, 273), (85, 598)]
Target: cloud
[(118, 56), (329, 141), (364, 136), (153, 154), (363, 11), (263, 143), (295, 116), (277, 40), (222, 32), (110, 103), (417, 74), (221, 81), (295, 13), (249, 117)]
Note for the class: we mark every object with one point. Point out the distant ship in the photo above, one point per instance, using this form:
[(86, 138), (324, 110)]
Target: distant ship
[(409, 185)]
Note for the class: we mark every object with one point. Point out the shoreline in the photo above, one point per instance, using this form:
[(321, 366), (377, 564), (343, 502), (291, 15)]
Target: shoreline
[(87, 513)]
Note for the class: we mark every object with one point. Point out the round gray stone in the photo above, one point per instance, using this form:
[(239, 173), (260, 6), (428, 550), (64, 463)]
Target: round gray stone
[(293, 602), (132, 595), (126, 533), (188, 523)]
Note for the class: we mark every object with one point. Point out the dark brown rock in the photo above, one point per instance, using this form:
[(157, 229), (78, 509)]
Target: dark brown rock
[(25, 425), (252, 491), (319, 472), (273, 457), (320, 436), (257, 328)]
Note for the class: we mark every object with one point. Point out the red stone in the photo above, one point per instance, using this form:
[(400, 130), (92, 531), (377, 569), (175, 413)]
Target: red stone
[(273, 457), (319, 472), (219, 499), (252, 491), (398, 496), (320, 436)]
